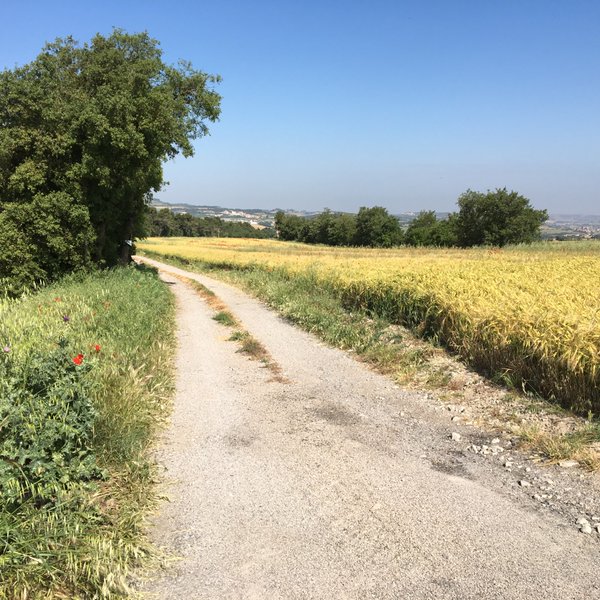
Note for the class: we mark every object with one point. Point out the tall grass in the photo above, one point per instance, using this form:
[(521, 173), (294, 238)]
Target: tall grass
[(103, 345)]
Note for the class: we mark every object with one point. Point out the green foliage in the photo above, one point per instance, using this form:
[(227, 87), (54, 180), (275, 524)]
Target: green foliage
[(75, 474), (225, 318), (342, 230), (84, 130), (376, 228), (421, 228), (427, 230), (46, 424), (289, 227), (41, 240), (497, 218), (333, 229), (371, 227)]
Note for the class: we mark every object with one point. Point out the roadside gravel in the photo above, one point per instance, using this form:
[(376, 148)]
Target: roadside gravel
[(340, 484)]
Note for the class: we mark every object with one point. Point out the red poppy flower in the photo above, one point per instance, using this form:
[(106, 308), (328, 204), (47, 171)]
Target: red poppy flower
[(97, 347), (78, 359)]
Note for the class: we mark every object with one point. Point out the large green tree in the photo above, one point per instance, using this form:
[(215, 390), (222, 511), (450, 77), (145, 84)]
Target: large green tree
[(289, 227), (377, 228), (497, 218), (94, 122)]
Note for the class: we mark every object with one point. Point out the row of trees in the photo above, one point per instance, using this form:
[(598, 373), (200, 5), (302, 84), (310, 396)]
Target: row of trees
[(370, 227), (84, 131), (165, 223), (494, 218)]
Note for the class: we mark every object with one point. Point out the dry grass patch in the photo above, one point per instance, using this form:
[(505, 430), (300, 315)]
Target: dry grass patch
[(582, 445), (252, 348), (207, 294)]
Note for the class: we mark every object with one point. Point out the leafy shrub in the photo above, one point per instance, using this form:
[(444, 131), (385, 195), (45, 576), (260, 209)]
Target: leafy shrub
[(41, 240), (46, 425)]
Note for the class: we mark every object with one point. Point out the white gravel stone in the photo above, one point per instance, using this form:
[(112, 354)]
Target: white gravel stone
[(456, 437), (568, 464), (524, 483)]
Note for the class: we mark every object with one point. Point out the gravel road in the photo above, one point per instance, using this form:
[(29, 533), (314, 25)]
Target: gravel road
[(338, 484)]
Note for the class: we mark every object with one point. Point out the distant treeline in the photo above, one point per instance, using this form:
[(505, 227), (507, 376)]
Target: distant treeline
[(493, 218), (164, 223), (370, 227)]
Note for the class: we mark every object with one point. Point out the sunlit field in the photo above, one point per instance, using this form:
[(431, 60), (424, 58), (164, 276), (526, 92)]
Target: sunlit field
[(529, 316)]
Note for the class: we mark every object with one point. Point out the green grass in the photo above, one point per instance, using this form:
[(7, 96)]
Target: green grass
[(81, 540), (250, 345), (225, 318)]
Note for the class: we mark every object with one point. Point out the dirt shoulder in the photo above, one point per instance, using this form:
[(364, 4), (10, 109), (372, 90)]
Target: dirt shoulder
[(340, 484)]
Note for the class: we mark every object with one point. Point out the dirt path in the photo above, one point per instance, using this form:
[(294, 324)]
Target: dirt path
[(339, 484)]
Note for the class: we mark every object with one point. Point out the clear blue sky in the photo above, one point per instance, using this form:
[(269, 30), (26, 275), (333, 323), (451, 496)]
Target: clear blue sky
[(344, 104)]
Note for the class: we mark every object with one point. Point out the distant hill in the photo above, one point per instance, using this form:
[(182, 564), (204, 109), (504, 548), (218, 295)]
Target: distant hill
[(257, 216)]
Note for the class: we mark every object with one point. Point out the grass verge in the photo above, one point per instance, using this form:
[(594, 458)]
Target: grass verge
[(317, 309), (85, 381)]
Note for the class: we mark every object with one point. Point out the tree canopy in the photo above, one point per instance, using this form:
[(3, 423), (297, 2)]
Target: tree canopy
[(376, 228), (427, 230), (373, 227), (497, 218), (84, 131)]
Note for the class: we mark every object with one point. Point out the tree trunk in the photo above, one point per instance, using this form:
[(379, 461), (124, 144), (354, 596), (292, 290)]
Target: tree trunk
[(127, 244)]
